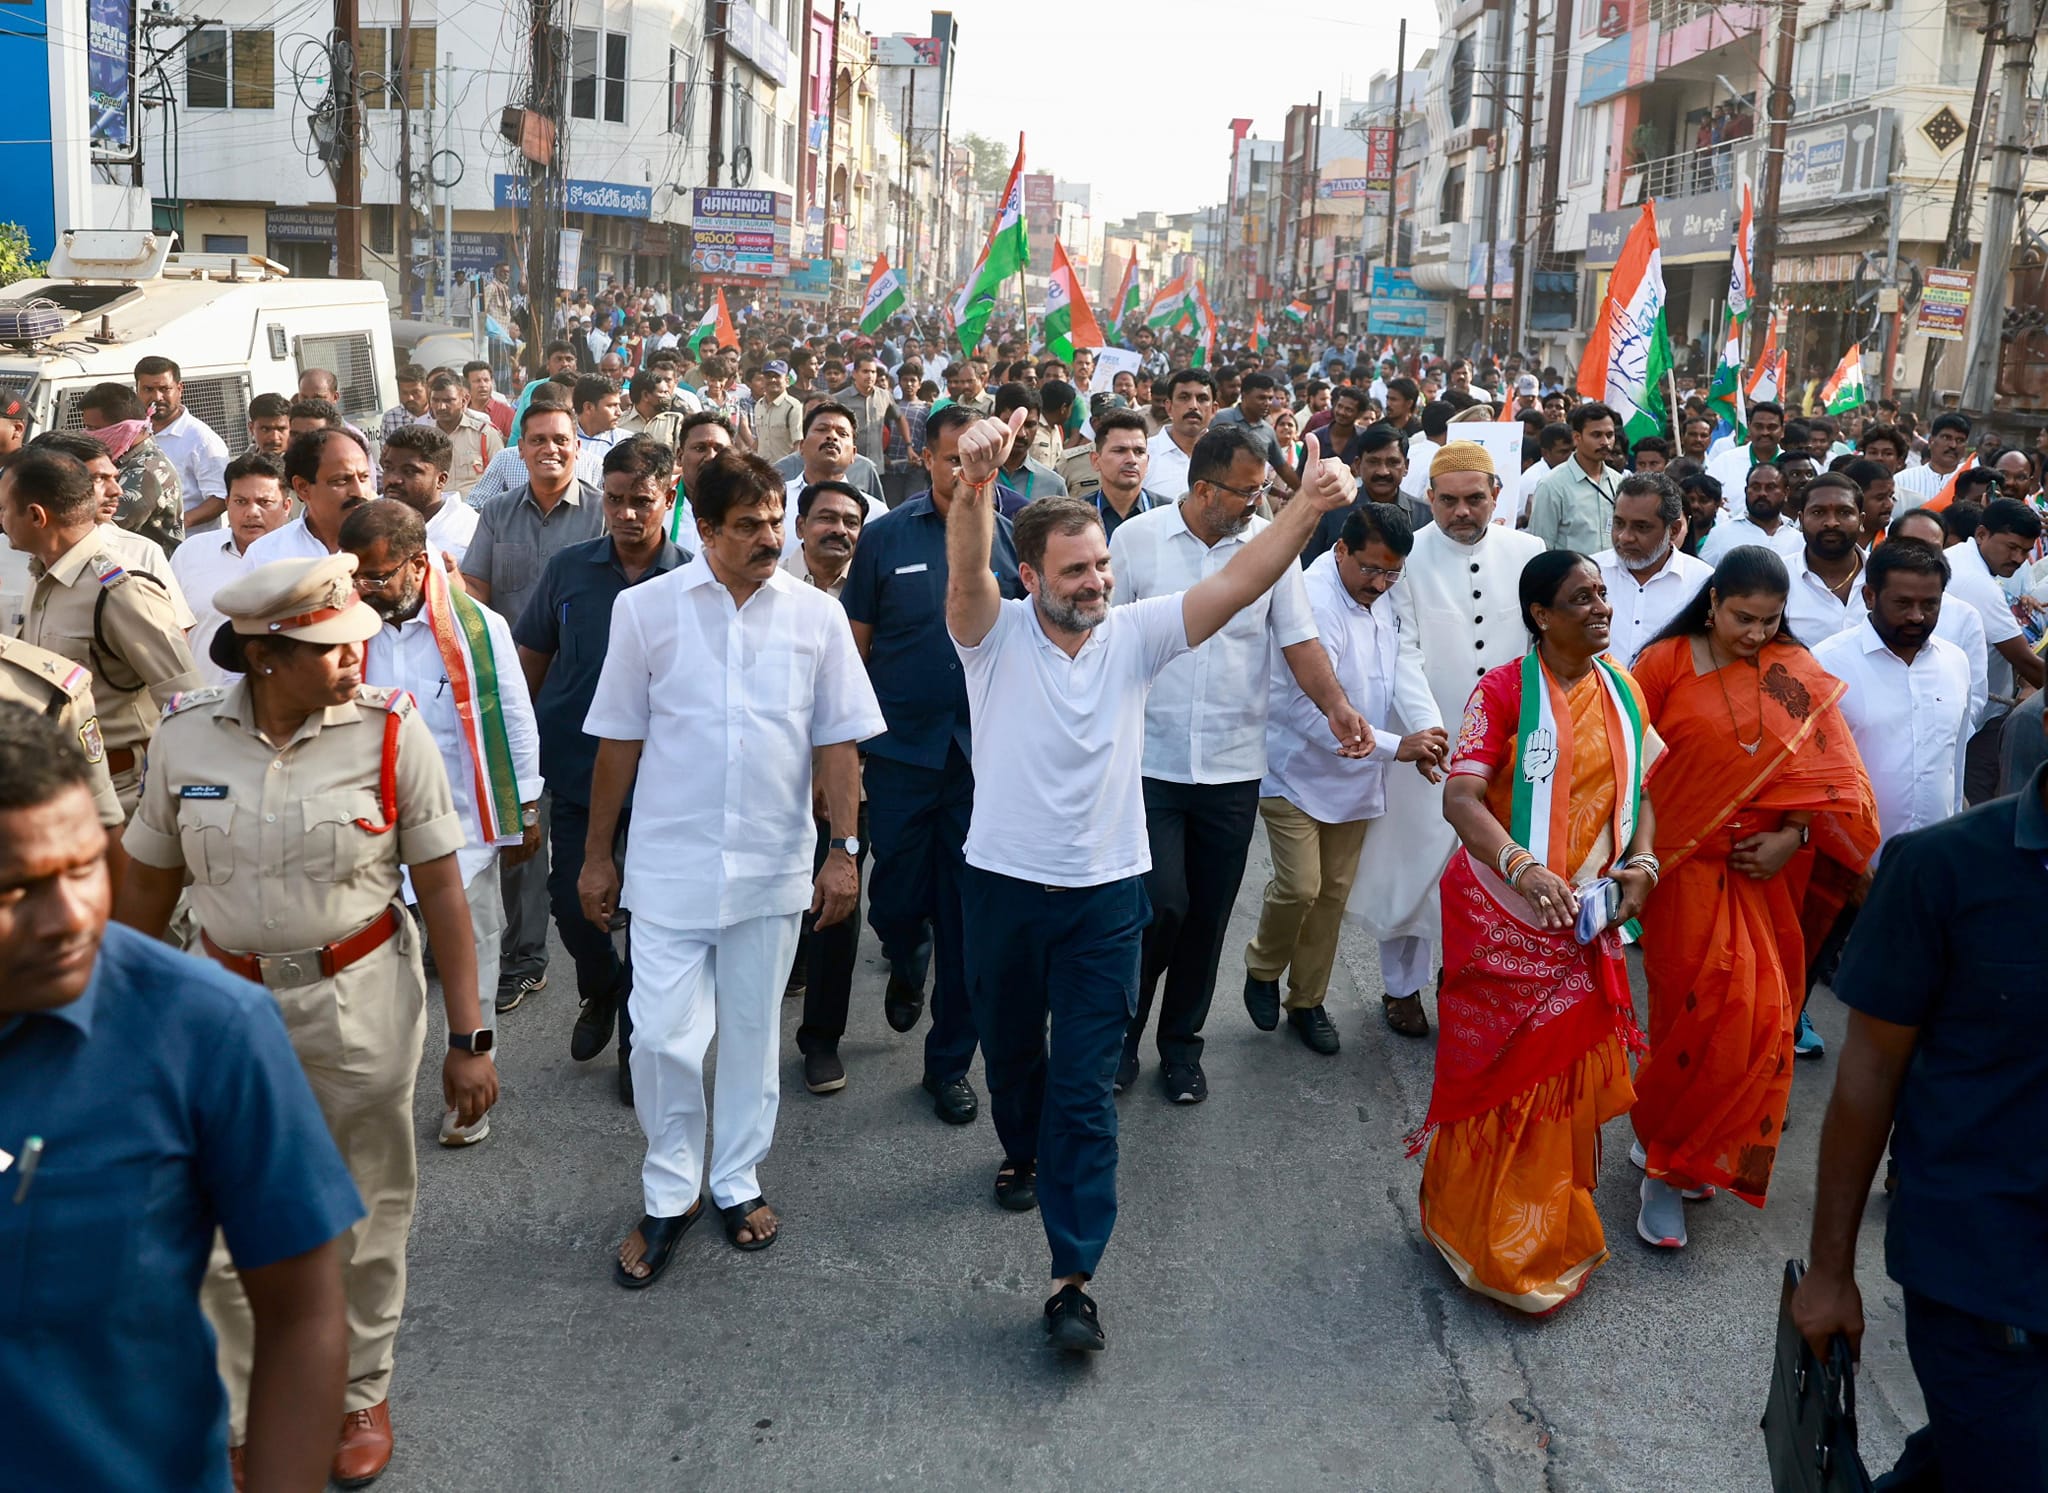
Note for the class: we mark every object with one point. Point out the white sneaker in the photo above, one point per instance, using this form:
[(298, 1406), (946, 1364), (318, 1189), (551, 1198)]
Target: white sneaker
[(454, 1135), (1661, 1221), (1640, 1159)]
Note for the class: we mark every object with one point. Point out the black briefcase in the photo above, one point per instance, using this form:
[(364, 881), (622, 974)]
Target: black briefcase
[(1810, 1419)]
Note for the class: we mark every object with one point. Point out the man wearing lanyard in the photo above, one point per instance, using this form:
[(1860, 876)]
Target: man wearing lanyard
[(1024, 478), (704, 435), (1120, 460)]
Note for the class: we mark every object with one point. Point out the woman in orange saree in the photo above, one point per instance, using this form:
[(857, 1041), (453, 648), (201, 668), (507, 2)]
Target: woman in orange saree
[(1535, 1022), (1759, 778)]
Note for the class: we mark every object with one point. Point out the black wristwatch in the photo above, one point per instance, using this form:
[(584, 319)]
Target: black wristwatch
[(483, 1039)]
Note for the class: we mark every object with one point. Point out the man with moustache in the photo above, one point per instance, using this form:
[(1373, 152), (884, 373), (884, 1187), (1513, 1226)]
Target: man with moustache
[(256, 505), (1731, 467), (1762, 521), (1827, 571), (1573, 508), (1190, 403), (1649, 578), (495, 778), (1379, 459), (827, 456), (416, 464), (329, 472), (1460, 613), (474, 442), (1873, 480)]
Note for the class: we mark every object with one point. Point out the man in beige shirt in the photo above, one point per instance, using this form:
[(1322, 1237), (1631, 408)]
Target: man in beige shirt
[(778, 416), (472, 437)]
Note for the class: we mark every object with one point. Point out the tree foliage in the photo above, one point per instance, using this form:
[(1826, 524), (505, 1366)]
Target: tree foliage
[(991, 161), (17, 259)]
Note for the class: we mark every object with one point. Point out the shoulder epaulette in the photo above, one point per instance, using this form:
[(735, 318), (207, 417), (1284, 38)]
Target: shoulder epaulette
[(107, 570), (185, 699), (73, 679), (396, 701)]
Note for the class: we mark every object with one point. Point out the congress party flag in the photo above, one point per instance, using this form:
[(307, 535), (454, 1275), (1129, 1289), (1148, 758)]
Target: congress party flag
[(1628, 360), (1259, 338), (1768, 381), (1844, 389), (1205, 325), (1297, 311), (1003, 257), (1068, 321), (715, 326), (1169, 307), (1127, 299), (885, 296), (1724, 395)]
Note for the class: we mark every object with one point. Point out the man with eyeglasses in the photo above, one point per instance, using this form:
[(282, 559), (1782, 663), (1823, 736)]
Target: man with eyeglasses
[(400, 578), (1205, 746)]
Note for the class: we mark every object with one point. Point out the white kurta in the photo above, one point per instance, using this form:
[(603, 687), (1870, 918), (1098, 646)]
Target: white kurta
[(1460, 610)]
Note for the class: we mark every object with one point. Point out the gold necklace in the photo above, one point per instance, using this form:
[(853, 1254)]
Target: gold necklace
[(1721, 674)]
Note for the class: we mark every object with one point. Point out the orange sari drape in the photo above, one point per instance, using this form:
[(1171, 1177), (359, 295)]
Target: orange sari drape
[(1724, 953)]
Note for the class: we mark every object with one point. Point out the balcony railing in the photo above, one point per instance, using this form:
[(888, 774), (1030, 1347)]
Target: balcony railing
[(1689, 173)]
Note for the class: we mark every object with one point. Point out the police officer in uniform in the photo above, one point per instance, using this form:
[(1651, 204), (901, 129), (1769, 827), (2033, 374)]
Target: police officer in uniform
[(292, 799), (120, 623), (62, 690), (152, 499)]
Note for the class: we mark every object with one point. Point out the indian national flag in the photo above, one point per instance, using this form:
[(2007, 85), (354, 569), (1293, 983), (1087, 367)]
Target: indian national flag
[(1205, 325), (1297, 311), (1259, 338), (1844, 389), (1768, 381), (885, 296), (715, 325), (1166, 309), (1724, 396), (1629, 357), (1126, 302), (1003, 257), (1068, 322)]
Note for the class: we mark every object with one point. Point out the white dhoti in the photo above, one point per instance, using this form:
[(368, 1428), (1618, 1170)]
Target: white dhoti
[(1394, 895)]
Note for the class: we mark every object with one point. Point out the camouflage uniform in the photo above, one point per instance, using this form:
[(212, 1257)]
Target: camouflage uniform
[(152, 503)]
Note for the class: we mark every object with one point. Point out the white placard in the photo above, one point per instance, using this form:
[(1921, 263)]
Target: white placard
[(1109, 362), (1503, 442)]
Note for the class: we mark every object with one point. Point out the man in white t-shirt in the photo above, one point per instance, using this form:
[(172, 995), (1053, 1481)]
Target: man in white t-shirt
[(1053, 893)]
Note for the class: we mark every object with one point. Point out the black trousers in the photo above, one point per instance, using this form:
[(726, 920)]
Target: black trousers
[(826, 955), (1987, 1405), (1200, 834), (600, 973), (920, 817)]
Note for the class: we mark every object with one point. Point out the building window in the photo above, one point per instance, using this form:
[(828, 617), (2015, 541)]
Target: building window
[(1588, 125), (615, 77), (383, 228), (390, 60), (1450, 206), (1846, 57), (788, 151), (225, 243), (1458, 97), (597, 75), (224, 69)]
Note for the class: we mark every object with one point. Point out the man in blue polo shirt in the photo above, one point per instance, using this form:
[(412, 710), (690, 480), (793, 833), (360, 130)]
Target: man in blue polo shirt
[(562, 636), (1947, 1054), (920, 783), (108, 1209)]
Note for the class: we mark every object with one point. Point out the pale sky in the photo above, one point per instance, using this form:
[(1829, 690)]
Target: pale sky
[(1136, 96)]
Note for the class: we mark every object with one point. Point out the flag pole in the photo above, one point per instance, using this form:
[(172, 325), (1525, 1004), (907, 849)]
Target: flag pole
[(1671, 390)]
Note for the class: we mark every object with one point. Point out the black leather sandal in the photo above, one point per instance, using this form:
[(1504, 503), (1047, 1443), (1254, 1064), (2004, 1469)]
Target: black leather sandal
[(1017, 1185), (658, 1237), (1073, 1323), (736, 1219)]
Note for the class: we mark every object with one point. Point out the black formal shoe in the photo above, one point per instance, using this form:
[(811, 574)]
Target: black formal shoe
[(1262, 1000), (1184, 1083), (823, 1072), (953, 1101), (1073, 1323), (593, 1030), (1017, 1185), (625, 1079), (1126, 1069), (1312, 1025)]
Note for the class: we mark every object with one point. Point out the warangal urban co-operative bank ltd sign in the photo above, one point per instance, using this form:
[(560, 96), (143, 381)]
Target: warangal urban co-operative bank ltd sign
[(609, 199)]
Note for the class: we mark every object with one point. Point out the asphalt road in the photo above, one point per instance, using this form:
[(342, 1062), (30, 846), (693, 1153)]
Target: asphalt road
[(1275, 1317)]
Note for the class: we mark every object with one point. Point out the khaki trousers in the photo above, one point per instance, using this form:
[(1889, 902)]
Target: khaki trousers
[(358, 1037), (1314, 865)]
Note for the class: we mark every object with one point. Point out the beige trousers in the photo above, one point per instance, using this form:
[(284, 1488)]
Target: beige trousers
[(358, 1037), (1313, 867)]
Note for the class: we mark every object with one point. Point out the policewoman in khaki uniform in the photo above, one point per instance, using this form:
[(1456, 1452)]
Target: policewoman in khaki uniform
[(293, 798)]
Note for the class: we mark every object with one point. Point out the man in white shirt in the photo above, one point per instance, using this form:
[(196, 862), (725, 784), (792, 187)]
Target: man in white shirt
[(1460, 610), (416, 462), (722, 684), (1422, 449), (597, 402), (1731, 467), (1053, 893), (1649, 578), (1205, 740), (826, 455), (190, 443), (1316, 802), (1827, 571), (329, 472), (397, 576), (1761, 522), (1978, 565), (1947, 439), (1960, 624), (256, 505), (1190, 402)]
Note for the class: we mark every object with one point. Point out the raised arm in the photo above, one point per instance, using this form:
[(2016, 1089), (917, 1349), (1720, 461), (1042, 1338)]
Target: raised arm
[(972, 600), (1209, 604)]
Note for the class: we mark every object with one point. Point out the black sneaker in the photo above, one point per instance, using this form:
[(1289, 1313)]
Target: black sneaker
[(1184, 1083), (1017, 1185), (953, 1101), (513, 992), (1262, 1000), (1073, 1323), (1312, 1024), (1126, 1069), (592, 1033), (823, 1072)]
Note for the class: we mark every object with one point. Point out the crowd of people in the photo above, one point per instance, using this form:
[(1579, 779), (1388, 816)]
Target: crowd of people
[(706, 656)]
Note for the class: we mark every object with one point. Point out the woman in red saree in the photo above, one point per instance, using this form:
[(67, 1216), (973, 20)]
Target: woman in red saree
[(1536, 1025), (1759, 779)]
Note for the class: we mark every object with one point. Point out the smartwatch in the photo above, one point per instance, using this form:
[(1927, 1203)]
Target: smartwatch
[(850, 845), (482, 1040)]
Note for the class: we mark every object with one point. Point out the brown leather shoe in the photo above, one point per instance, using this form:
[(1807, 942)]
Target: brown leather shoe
[(1405, 1015), (365, 1449), (236, 1470)]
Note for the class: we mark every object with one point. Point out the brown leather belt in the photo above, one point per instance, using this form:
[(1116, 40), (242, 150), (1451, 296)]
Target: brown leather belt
[(287, 971), (120, 759)]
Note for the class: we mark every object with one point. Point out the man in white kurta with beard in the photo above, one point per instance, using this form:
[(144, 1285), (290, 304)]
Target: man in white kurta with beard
[(1460, 610)]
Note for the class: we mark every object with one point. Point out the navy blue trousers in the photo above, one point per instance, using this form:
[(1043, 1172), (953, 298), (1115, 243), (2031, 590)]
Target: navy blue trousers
[(918, 818), (1066, 958), (1987, 1406)]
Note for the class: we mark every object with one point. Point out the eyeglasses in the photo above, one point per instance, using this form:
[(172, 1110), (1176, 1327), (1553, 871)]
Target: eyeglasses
[(1369, 572), (1249, 494), (368, 582)]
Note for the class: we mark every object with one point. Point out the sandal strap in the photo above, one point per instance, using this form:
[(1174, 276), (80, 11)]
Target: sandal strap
[(738, 1213)]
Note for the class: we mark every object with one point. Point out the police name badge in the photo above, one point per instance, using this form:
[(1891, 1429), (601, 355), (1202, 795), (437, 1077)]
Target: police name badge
[(203, 790)]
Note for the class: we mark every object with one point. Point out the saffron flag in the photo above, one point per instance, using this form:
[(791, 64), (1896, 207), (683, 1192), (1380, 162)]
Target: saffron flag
[(1068, 322), (716, 326), (1724, 396), (1126, 300), (1205, 325), (885, 296), (1297, 311), (1629, 358), (1003, 256), (1947, 495), (1259, 337), (1768, 380), (1844, 389)]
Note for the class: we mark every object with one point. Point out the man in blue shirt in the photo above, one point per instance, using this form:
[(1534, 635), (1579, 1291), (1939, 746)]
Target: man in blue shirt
[(108, 1209), (1947, 1054), (919, 782), (562, 637)]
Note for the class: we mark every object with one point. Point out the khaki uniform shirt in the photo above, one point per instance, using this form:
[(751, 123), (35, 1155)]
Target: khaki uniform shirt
[(120, 624), (1078, 472), (778, 427), (62, 690), (475, 441)]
